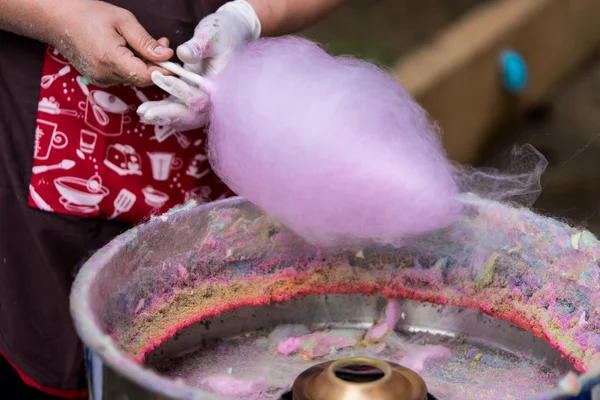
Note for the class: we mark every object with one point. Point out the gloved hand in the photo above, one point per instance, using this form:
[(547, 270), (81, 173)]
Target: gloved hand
[(207, 53)]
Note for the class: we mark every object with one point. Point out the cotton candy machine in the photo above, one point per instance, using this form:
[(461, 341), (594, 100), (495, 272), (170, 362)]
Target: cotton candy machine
[(219, 301)]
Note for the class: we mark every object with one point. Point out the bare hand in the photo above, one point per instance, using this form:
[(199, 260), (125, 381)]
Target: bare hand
[(208, 52), (97, 39)]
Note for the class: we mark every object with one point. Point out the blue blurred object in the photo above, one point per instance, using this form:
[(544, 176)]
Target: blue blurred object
[(514, 71), (93, 368), (584, 396)]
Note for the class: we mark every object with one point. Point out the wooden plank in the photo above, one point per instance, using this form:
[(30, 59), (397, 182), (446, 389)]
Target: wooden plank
[(456, 77)]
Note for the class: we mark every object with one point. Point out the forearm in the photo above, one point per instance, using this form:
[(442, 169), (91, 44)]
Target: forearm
[(281, 17), (31, 18)]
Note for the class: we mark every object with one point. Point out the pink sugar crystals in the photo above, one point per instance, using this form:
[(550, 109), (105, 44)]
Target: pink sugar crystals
[(320, 344)]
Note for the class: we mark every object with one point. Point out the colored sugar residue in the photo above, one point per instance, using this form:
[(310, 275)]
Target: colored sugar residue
[(452, 367), (510, 263)]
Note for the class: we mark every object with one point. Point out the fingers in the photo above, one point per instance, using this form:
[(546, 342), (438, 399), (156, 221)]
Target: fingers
[(132, 70), (195, 49), (164, 42), (203, 53), (188, 94), (140, 40), (119, 65), (173, 86), (153, 67), (144, 107), (198, 68), (201, 45), (162, 112), (115, 49), (171, 113)]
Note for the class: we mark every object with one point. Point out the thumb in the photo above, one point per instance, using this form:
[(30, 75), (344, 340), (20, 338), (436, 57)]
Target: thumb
[(141, 41), (196, 49)]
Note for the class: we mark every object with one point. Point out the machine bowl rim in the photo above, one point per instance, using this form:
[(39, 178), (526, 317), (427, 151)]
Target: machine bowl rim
[(105, 347)]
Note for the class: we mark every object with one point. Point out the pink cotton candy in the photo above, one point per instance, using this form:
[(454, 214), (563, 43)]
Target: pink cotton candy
[(322, 345), (290, 346), (417, 360), (392, 313), (319, 344), (226, 385), (334, 148), (377, 332), (582, 320)]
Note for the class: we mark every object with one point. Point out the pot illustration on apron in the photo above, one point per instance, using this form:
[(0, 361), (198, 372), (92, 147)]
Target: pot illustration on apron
[(93, 157), (105, 113), (79, 195)]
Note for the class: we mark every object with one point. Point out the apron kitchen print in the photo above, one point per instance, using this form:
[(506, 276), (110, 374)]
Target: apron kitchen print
[(93, 157)]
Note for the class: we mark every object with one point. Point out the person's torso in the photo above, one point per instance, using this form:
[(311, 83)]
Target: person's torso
[(55, 134), (91, 155)]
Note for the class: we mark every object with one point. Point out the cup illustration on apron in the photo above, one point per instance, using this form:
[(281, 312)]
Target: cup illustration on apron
[(162, 164), (47, 137), (105, 113), (87, 141)]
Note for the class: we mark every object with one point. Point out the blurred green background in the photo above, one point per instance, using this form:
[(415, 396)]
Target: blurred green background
[(382, 31)]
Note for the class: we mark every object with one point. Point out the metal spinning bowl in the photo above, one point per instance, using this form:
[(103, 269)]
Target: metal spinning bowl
[(105, 307)]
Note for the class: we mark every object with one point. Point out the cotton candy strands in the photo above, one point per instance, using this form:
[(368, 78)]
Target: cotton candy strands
[(333, 148)]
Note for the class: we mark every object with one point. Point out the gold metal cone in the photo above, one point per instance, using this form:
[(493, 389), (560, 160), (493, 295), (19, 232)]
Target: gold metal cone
[(393, 382)]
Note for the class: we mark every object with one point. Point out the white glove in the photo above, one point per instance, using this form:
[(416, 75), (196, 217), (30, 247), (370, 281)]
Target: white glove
[(207, 53)]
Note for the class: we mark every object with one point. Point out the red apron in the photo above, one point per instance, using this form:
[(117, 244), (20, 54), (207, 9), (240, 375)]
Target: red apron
[(93, 157)]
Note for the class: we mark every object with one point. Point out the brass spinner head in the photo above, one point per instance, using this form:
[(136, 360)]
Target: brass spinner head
[(359, 378)]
